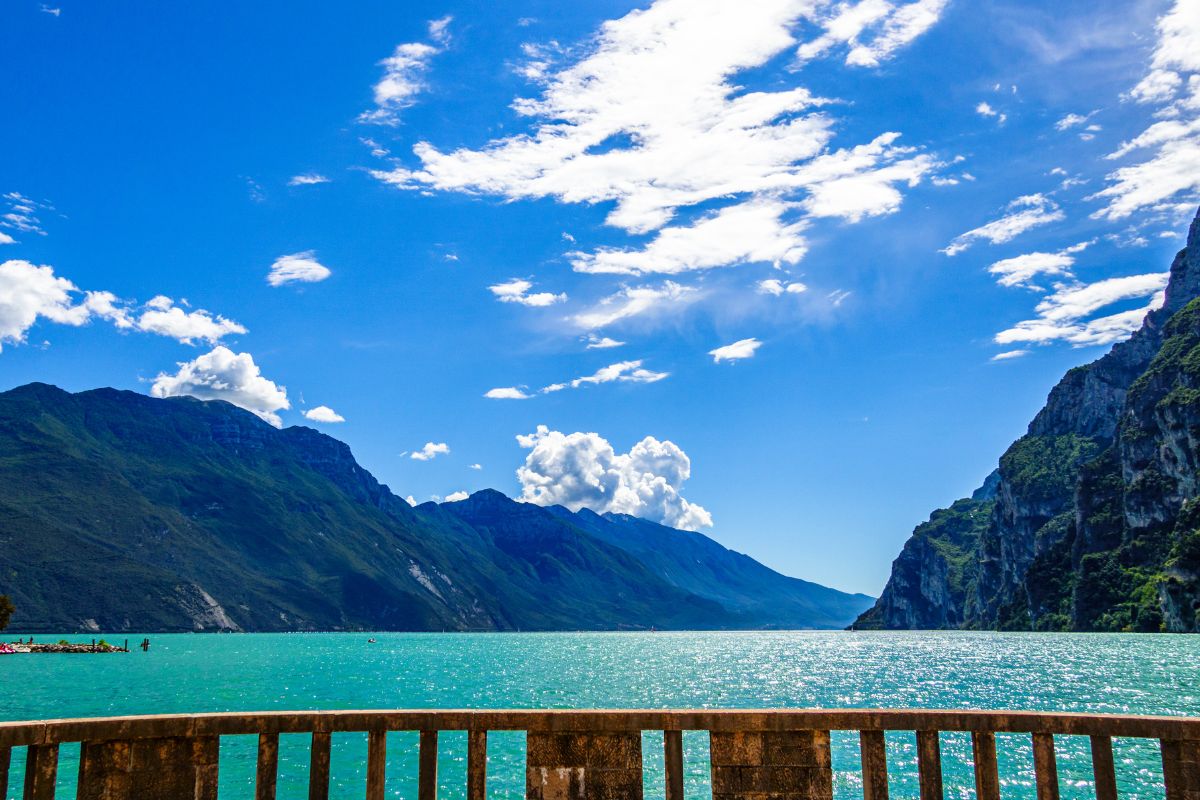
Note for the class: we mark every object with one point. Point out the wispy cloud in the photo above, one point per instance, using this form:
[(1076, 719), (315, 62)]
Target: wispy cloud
[(516, 290), (404, 75), (297, 268), (1028, 211), (1066, 314), (307, 179), (741, 349)]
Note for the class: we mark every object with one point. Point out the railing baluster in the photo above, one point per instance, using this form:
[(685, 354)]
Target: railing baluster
[(1045, 766), (1181, 768), (476, 765), (1103, 769), (874, 765), (929, 765), (318, 766), (268, 766), (41, 771), (673, 764), (376, 764), (987, 770), (427, 771)]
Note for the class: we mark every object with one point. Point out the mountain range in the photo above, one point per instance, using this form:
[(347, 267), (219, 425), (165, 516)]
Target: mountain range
[(1091, 522), (121, 512)]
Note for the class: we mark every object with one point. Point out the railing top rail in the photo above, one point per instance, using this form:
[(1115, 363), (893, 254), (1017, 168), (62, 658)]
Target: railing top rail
[(16, 734)]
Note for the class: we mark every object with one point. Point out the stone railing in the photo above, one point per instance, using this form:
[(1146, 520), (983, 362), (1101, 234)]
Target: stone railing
[(571, 755)]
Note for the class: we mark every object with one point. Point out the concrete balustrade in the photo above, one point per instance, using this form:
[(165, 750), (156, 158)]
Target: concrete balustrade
[(585, 755)]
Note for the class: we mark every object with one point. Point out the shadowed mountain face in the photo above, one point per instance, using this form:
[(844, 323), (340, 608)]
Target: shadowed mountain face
[(1092, 520), (123, 512)]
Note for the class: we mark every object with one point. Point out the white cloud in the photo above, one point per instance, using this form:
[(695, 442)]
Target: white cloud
[(6, 239), (634, 301), (651, 119), (1063, 315), (298, 268), (623, 372), (517, 291), (747, 232), (54, 12), (1008, 355), (324, 414), (743, 348), (507, 393), (1021, 270), (412, 501), (163, 317), (22, 215), (455, 497), (985, 109), (28, 292), (430, 451), (777, 287), (1028, 211), (582, 470), (224, 375), (1168, 179), (404, 75), (595, 342), (476, 466), (1073, 121), (307, 179)]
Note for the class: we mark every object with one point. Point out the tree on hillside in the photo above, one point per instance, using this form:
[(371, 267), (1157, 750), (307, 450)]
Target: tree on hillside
[(6, 611)]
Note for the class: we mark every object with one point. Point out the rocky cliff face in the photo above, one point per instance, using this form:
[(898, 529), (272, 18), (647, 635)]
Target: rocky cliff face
[(1092, 523)]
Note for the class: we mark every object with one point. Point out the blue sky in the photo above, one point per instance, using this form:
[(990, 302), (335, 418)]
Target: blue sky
[(847, 248)]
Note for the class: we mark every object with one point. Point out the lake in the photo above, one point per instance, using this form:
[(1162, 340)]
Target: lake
[(1101, 673)]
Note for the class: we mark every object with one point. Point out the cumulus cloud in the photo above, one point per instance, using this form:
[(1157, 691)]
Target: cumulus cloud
[(404, 75), (324, 414), (777, 287), (582, 470), (517, 291), (985, 109), (430, 451), (743, 348), (506, 393), (29, 293), (224, 375), (1167, 178), (476, 466), (650, 117), (1021, 270), (297, 268), (6, 239), (1028, 211), (307, 179), (165, 318), (595, 342), (455, 497), (1066, 314)]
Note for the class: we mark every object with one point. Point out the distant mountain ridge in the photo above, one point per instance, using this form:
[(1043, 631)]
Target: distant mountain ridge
[(124, 512), (1092, 520)]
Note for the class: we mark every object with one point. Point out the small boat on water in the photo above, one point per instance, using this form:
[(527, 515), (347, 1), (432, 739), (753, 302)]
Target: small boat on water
[(371, 640)]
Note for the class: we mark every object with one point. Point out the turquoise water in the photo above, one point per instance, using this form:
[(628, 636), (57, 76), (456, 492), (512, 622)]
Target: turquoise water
[(1118, 673)]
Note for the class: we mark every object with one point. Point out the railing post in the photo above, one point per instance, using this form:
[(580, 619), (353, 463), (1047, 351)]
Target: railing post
[(874, 765), (376, 764), (783, 765), (318, 766), (476, 765), (673, 764), (577, 766), (41, 771), (5, 760), (268, 766), (929, 765), (987, 770), (1045, 766), (427, 770), (1181, 768), (1102, 768)]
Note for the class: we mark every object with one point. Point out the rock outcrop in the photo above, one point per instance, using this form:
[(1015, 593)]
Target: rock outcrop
[(1094, 521)]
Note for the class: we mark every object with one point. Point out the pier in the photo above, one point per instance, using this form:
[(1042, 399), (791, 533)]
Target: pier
[(587, 755)]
